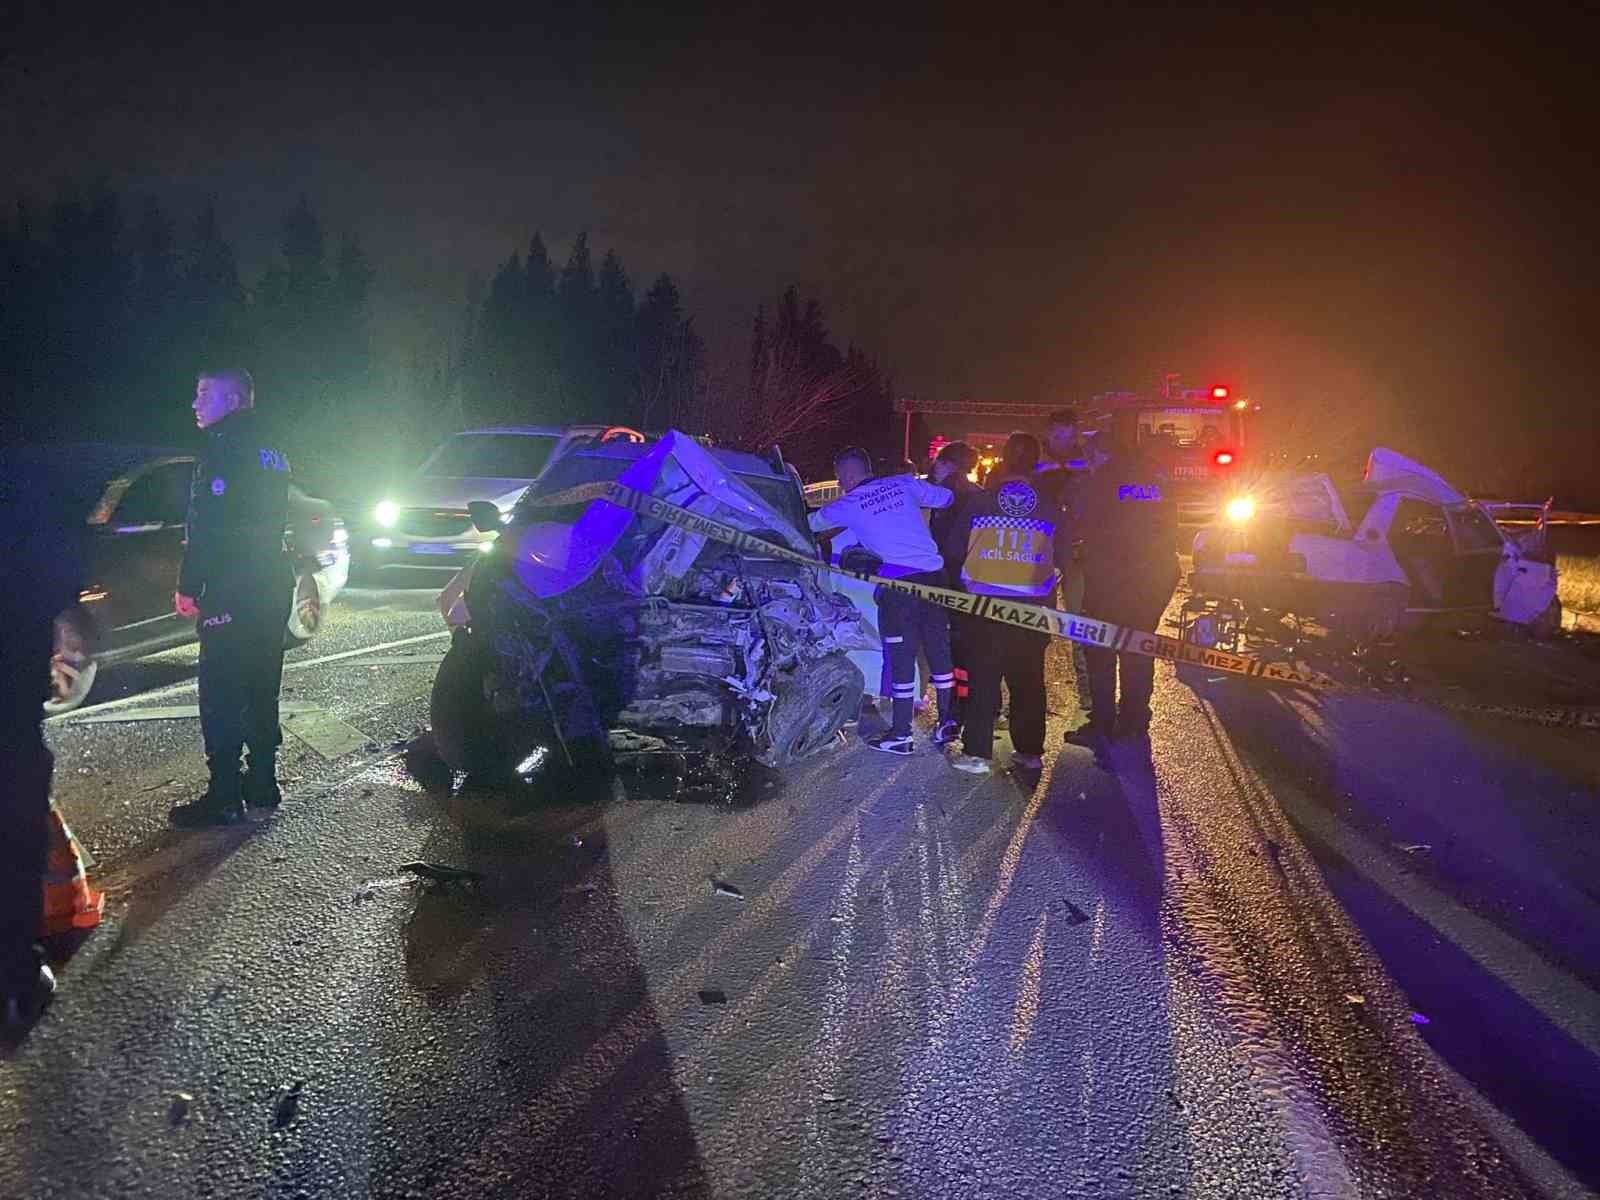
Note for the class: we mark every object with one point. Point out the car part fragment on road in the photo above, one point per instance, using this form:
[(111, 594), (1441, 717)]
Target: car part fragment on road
[(441, 873), (726, 889), (1075, 915), (288, 1106)]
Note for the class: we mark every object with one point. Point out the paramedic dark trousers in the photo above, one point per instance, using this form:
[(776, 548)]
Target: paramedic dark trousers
[(241, 670), (1016, 656), (907, 624), (1133, 602), (965, 641), (24, 798)]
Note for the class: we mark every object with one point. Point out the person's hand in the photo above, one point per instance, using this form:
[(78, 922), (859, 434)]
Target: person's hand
[(185, 605)]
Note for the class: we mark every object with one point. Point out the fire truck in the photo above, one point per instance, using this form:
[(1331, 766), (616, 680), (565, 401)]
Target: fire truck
[(1198, 436)]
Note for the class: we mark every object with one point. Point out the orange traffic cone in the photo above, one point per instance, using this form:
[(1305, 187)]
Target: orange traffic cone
[(68, 901)]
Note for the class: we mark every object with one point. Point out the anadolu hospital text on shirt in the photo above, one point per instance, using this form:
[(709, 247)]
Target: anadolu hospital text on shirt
[(885, 515)]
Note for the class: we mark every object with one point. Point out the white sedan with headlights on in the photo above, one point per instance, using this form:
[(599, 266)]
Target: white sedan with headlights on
[(422, 522)]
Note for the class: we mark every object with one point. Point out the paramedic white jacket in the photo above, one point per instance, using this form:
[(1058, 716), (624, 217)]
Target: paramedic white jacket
[(885, 515)]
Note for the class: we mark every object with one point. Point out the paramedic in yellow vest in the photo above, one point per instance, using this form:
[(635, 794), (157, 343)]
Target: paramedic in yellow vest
[(1004, 538)]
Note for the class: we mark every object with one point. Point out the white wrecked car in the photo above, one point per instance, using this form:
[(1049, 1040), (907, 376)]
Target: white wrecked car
[(586, 619), (1365, 560)]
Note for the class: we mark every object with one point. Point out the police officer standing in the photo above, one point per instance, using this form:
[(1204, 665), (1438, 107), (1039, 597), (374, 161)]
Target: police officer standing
[(885, 514), (1129, 527), (1064, 463), (236, 580)]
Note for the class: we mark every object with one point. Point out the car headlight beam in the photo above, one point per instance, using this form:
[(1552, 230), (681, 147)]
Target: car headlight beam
[(1240, 510), (386, 514)]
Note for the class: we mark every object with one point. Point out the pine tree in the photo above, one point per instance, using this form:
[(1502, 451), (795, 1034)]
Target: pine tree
[(801, 388), (617, 342), (543, 331), (578, 333), (352, 285), (304, 255), (157, 259), (158, 369), (212, 299), (296, 331), (661, 330)]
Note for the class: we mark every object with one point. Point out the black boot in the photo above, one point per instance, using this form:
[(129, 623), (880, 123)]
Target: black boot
[(948, 729), (221, 804), (260, 785)]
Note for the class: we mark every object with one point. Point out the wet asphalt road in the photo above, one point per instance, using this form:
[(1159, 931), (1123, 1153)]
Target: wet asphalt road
[(1203, 973)]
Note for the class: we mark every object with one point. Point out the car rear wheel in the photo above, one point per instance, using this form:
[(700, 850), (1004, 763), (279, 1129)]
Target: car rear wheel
[(811, 709), (72, 665)]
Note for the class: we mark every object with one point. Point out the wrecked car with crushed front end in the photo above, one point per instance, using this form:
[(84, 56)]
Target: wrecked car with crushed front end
[(1368, 558), (588, 623)]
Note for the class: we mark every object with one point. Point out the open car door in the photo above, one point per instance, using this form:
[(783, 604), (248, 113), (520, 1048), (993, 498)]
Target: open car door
[(1525, 591)]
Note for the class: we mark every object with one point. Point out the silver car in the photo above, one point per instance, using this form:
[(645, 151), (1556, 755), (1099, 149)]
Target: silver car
[(423, 523)]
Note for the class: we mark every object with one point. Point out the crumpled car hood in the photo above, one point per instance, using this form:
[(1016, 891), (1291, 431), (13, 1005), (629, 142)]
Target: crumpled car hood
[(552, 559)]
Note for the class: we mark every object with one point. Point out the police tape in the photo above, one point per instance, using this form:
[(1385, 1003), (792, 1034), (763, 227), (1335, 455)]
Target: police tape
[(1073, 627)]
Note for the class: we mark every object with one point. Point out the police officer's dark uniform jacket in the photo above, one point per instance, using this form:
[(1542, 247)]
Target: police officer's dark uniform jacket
[(1128, 524), (235, 567)]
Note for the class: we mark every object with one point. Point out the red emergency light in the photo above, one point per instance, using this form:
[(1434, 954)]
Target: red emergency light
[(1223, 458), (1219, 393)]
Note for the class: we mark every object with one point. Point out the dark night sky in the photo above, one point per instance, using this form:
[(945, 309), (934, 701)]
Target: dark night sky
[(1378, 226)]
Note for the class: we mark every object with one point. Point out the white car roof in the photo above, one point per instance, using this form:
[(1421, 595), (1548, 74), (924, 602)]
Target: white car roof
[(1390, 471)]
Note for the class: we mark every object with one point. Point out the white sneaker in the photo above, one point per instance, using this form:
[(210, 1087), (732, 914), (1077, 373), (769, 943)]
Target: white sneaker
[(972, 764)]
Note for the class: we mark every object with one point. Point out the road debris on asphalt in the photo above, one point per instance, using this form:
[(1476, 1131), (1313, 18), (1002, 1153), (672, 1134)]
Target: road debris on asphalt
[(288, 1105), (726, 889), (713, 996), (1419, 1019), (178, 1113), (1413, 847), (154, 787), (441, 872), (1354, 998), (1075, 915)]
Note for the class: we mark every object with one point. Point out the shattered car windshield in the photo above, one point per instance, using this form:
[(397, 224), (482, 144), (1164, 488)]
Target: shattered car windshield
[(491, 456)]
